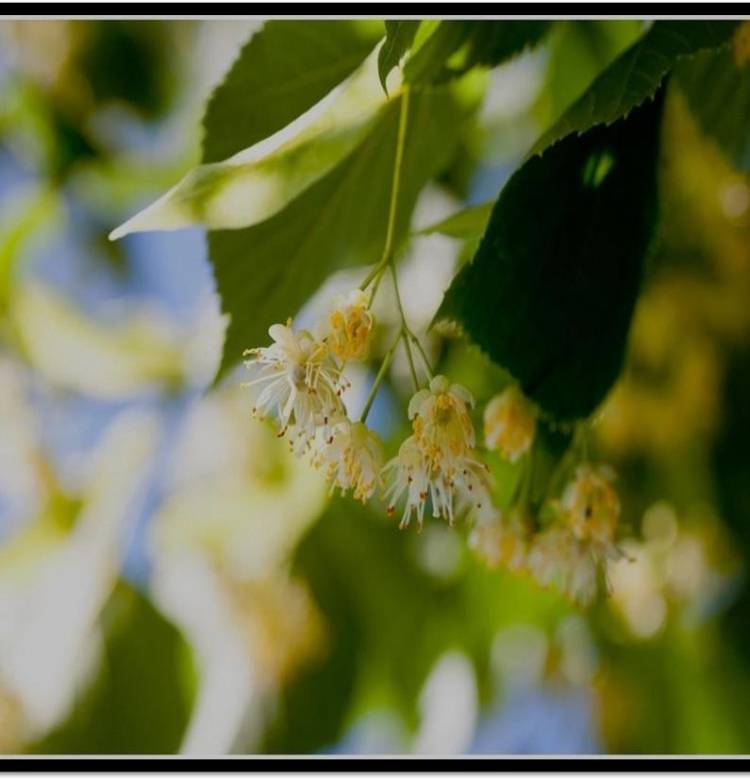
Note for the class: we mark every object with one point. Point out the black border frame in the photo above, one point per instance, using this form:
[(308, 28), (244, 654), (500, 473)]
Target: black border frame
[(343, 763), (329, 763), (209, 10)]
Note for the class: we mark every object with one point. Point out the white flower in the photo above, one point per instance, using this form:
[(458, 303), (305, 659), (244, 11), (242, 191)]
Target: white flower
[(410, 476), (509, 424), (415, 476), (581, 540), (442, 424), (450, 493), (352, 458), (299, 382), (504, 541), (558, 558), (473, 485), (437, 462), (349, 326), (591, 507)]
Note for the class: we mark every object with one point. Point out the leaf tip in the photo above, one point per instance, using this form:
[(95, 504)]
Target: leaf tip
[(118, 232)]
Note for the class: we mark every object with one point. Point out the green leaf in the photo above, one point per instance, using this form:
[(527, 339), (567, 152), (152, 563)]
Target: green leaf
[(468, 223), (494, 42), (259, 181), (398, 38), (636, 75), (577, 52), (428, 63), (718, 92), (481, 43), (266, 272), (140, 702), (550, 292), (280, 73)]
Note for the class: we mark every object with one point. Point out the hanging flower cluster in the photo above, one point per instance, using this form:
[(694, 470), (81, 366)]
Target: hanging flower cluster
[(574, 547), (299, 380), (438, 463)]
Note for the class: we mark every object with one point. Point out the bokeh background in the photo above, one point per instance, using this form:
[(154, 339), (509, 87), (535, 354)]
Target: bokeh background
[(172, 580)]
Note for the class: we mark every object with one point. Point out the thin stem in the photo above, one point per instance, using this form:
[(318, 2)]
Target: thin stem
[(379, 378), (405, 329), (422, 354), (390, 232), (374, 290), (397, 166)]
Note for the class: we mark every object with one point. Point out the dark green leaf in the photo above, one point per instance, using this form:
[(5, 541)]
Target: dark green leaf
[(577, 52), (636, 75), (283, 70), (550, 293), (483, 43), (492, 43), (141, 700), (398, 38), (266, 272), (718, 92)]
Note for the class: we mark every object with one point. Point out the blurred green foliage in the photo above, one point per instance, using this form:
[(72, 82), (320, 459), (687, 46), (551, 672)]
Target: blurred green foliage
[(140, 700)]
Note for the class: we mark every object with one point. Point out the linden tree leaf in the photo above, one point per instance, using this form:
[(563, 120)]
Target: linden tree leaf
[(398, 38), (550, 293), (265, 273), (255, 183), (636, 75), (717, 88), (467, 223), (283, 70), (492, 43), (470, 43)]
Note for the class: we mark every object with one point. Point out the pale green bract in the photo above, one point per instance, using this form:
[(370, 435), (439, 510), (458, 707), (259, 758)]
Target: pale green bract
[(258, 182)]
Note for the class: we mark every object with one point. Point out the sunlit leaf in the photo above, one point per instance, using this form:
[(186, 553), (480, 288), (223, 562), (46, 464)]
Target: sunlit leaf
[(266, 272), (284, 70), (259, 181)]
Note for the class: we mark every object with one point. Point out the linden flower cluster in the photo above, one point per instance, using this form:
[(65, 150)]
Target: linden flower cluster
[(581, 540), (571, 551), (509, 424), (298, 381), (438, 463)]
